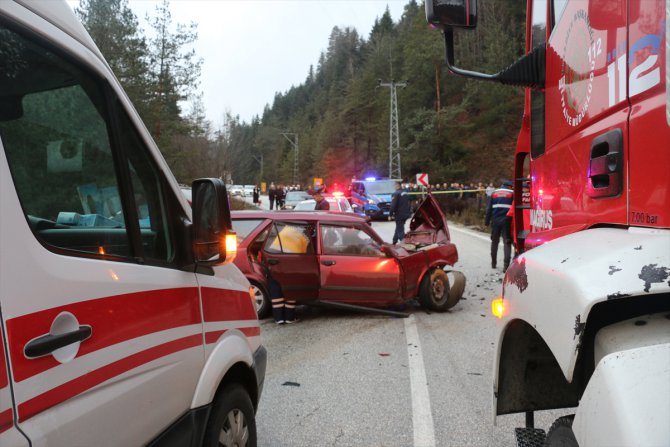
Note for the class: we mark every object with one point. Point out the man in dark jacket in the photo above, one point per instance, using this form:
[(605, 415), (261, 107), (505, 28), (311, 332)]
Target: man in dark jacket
[(496, 216), (321, 202), (399, 211)]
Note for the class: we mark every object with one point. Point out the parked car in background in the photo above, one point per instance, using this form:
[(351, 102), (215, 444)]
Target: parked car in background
[(249, 190), (338, 257), (186, 190), (338, 204), (236, 190), (295, 197)]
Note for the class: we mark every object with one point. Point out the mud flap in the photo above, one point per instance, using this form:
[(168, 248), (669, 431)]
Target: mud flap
[(529, 437)]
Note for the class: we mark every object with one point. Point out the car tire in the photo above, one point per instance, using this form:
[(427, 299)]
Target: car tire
[(456, 288), (560, 434), (232, 421), (261, 299), (434, 290)]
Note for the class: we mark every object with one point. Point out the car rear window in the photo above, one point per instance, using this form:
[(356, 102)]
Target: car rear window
[(245, 226)]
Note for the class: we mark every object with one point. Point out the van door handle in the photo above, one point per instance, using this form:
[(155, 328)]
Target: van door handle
[(329, 262), (46, 344), (273, 261), (605, 174)]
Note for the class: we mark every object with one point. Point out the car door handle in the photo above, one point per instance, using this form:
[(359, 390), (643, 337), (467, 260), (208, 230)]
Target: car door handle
[(329, 262), (46, 344), (273, 261)]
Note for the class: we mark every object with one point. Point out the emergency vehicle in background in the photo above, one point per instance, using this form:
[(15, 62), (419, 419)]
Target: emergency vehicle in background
[(123, 320), (585, 310)]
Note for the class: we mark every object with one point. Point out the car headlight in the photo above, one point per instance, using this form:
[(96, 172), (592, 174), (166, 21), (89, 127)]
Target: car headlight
[(371, 202)]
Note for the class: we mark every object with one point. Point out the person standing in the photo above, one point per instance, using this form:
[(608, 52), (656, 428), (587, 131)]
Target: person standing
[(501, 224), (400, 211), (321, 202), (272, 195), (280, 196), (257, 195)]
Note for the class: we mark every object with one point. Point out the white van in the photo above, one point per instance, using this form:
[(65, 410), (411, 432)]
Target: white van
[(123, 321)]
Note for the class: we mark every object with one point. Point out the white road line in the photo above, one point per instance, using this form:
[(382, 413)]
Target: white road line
[(471, 233), (422, 417)]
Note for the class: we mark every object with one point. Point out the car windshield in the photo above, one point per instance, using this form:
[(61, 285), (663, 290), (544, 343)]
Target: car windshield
[(305, 205), (297, 195), (382, 187), (245, 226)]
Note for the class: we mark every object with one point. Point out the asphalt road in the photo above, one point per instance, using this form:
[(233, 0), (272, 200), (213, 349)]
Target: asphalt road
[(347, 379)]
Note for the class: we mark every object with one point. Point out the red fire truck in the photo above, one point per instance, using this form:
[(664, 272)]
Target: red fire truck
[(585, 308)]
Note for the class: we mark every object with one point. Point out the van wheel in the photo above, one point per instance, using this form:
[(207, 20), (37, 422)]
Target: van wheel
[(232, 422), (560, 434), (261, 299), (434, 290)]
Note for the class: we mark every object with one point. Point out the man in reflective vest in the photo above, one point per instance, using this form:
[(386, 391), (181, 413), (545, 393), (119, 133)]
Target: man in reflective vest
[(496, 216)]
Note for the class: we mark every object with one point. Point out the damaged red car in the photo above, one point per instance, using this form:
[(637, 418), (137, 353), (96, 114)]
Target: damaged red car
[(323, 257)]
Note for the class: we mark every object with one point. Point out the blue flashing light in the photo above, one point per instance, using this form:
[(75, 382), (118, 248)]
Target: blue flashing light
[(370, 179)]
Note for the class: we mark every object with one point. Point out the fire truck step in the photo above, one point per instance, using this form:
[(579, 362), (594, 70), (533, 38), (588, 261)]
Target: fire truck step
[(529, 437)]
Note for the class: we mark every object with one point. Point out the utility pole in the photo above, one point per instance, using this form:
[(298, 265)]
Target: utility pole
[(260, 160), (394, 135), (295, 153)]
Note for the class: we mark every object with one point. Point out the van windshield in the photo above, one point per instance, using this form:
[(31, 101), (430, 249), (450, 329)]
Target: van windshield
[(377, 188)]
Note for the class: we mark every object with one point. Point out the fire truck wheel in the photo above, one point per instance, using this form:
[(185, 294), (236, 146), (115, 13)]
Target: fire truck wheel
[(434, 290), (261, 299), (560, 434), (232, 421)]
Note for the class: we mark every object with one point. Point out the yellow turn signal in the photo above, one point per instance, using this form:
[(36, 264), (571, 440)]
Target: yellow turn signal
[(231, 246), (499, 307)]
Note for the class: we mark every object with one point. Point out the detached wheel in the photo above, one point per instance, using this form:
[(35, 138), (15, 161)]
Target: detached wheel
[(261, 299), (560, 434), (232, 422), (434, 290)]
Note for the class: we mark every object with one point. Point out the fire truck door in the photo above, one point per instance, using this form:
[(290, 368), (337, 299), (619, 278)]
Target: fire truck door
[(578, 134)]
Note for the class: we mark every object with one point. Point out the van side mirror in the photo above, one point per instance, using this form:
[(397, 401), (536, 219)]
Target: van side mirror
[(456, 13), (214, 242)]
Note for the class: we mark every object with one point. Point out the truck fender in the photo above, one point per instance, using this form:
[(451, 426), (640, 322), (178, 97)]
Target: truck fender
[(626, 401), (231, 349)]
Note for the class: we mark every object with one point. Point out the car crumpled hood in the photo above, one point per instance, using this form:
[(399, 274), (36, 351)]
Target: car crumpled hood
[(428, 219)]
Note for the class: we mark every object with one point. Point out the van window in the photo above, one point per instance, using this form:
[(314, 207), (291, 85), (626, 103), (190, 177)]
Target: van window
[(56, 136)]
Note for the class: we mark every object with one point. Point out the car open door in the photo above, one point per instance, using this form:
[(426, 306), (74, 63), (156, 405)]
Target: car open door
[(290, 254)]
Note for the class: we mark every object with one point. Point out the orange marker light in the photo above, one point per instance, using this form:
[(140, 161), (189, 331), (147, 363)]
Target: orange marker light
[(231, 246), (498, 307), (101, 250)]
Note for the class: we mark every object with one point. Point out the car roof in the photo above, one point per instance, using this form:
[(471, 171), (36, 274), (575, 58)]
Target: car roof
[(297, 215)]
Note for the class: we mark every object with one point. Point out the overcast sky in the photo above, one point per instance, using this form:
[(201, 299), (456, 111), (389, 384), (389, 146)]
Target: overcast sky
[(252, 48)]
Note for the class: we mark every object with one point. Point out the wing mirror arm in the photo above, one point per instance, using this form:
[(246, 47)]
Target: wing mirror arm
[(527, 71)]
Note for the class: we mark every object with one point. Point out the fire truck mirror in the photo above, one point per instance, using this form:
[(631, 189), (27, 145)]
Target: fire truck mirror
[(452, 13)]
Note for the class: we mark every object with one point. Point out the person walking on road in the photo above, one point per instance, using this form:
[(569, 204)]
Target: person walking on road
[(400, 211), (496, 216), (321, 202)]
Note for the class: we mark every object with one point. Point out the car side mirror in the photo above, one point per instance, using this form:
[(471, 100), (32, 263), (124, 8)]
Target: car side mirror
[(214, 241)]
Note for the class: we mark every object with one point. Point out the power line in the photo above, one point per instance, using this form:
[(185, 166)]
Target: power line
[(295, 153)]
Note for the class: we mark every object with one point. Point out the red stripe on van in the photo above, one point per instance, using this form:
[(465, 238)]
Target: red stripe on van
[(6, 420), (213, 336), (226, 305), (113, 319), (93, 378), (251, 331), (4, 381)]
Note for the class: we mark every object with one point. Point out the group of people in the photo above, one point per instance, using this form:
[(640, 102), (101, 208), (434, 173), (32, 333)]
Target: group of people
[(276, 196)]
